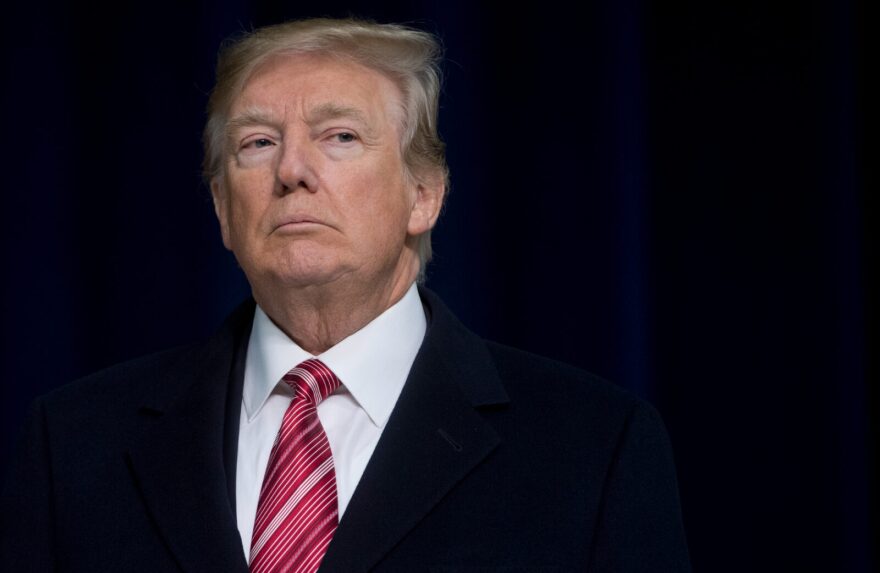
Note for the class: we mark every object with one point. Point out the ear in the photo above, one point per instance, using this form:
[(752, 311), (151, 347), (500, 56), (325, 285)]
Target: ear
[(429, 193), (221, 208)]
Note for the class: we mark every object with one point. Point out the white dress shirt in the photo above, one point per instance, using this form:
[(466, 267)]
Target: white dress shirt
[(372, 364)]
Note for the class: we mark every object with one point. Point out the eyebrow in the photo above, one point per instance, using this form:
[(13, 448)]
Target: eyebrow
[(321, 113), (250, 117), (330, 111)]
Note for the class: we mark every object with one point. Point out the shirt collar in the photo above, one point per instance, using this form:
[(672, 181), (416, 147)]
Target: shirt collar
[(372, 364)]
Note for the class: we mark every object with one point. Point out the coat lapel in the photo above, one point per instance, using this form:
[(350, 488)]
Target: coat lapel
[(178, 463), (433, 439)]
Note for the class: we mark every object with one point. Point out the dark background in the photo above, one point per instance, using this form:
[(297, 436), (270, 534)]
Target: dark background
[(672, 195)]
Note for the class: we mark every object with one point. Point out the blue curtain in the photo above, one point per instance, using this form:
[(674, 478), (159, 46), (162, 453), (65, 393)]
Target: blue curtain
[(671, 195)]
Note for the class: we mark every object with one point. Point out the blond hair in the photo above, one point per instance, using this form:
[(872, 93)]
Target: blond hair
[(409, 57)]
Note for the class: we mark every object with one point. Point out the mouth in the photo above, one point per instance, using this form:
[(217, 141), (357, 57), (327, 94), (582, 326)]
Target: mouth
[(299, 222)]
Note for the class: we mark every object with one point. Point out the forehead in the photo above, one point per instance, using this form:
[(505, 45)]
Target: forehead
[(301, 83)]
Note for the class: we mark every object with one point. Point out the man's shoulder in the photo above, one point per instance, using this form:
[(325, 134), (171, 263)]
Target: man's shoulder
[(520, 368), (133, 380), (547, 384), (574, 396), (156, 377)]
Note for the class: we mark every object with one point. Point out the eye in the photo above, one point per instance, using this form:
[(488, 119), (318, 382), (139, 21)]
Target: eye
[(261, 143), (345, 137)]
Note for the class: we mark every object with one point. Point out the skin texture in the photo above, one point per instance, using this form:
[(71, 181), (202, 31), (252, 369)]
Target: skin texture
[(314, 200)]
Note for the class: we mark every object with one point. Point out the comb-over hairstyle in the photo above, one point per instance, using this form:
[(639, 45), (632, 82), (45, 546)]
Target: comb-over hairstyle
[(408, 57)]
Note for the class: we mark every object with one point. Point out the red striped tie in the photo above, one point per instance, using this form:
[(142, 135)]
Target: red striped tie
[(297, 512)]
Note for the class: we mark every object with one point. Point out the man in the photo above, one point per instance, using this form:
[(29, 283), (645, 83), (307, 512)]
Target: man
[(346, 420)]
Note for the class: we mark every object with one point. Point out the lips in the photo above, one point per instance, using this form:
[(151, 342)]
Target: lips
[(291, 222)]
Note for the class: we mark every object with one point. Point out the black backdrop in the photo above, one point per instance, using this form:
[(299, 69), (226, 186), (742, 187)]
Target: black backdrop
[(668, 194)]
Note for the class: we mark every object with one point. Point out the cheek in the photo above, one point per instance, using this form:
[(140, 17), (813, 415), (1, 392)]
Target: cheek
[(244, 207), (388, 207), (388, 191)]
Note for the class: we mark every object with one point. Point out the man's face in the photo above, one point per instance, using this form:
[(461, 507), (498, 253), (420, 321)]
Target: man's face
[(314, 189)]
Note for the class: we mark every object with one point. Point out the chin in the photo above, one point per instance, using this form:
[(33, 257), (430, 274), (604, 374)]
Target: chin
[(295, 265), (305, 269), (306, 278)]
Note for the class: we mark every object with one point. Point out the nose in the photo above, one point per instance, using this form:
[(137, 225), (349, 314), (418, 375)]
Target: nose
[(296, 167)]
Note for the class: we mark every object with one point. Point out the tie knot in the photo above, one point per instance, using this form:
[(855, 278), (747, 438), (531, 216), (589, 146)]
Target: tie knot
[(311, 380)]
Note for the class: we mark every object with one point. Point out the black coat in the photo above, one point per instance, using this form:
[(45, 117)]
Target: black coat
[(493, 460)]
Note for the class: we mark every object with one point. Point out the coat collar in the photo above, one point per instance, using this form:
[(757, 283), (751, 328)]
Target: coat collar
[(190, 429), (434, 437)]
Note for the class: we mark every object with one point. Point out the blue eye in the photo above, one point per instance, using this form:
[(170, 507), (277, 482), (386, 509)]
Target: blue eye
[(345, 137), (261, 143)]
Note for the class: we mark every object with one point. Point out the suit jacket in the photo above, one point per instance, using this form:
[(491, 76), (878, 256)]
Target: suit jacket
[(493, 460)]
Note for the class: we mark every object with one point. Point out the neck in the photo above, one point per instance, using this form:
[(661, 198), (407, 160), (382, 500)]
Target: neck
[(319, 317)]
